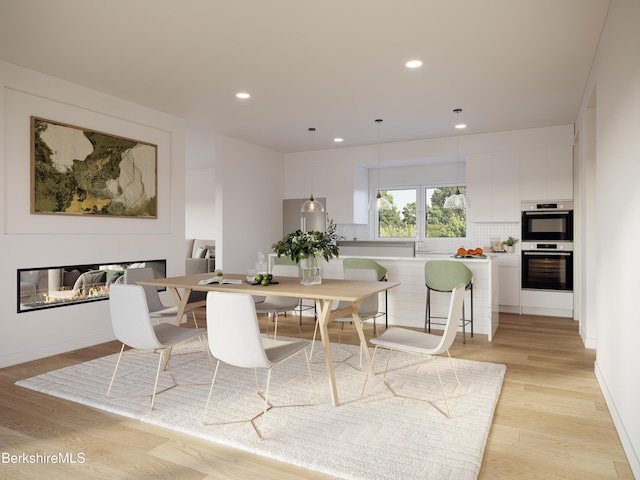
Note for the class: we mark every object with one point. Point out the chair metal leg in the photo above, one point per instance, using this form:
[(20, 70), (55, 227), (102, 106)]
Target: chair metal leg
[(161, 362), (386, 309), (206, 407), (115, 370), (441, 386), (427, 312), (313, 342), (373, 357), (471, 293), (275, 331), (464, 322)]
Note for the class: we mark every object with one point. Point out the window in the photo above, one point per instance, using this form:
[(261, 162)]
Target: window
[(443, 222), (399, 218)]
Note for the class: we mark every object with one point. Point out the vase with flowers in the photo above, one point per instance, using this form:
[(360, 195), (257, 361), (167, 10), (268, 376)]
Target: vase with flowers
[(306, 248)]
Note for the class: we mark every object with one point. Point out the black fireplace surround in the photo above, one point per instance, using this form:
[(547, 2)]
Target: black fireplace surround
[(60, 286)]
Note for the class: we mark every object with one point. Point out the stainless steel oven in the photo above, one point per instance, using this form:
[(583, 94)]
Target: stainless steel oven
[(547, 221), (547, 266)]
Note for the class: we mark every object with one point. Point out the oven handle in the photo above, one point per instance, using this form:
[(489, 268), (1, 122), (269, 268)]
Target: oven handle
[(563, 254), (563, 212)]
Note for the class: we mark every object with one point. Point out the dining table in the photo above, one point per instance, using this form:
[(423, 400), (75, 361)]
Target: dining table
[(325, 294)]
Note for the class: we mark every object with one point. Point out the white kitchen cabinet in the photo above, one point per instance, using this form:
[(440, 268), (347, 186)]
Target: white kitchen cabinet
[(547, 174), (509, 279), (493, 187), (348, 194), (302, 182)]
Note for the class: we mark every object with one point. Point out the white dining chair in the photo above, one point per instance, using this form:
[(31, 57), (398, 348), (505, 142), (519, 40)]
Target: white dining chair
[(132, 326), (421, 343), (273, 306), (157, 309), (234, 338)]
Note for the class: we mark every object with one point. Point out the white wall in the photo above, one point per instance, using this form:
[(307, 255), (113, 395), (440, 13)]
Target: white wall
[(249, 194), (200, 203), (616, 77), (31, 241)]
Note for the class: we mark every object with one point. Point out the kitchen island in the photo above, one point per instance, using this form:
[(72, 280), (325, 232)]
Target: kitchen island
[(406, 303)]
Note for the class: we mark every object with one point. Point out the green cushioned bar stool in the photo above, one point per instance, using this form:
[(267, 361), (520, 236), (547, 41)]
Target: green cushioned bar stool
[(444, 276)]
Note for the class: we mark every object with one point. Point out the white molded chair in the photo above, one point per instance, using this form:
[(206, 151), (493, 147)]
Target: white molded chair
[(369, 309), (277, 305), (412, 341), (157, 309), (132, 326), (234, 338)]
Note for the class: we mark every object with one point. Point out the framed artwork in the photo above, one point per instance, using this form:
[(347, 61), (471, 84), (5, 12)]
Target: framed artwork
[(76, 171)]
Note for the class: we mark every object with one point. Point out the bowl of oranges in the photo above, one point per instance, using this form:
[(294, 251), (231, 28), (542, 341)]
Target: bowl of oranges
[(470, 253)]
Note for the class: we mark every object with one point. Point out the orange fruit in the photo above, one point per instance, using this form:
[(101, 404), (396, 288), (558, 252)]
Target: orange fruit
[(462, 251), (479, 251)]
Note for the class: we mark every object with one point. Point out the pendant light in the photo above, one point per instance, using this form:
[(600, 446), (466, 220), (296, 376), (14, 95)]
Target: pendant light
[(457, 200), (381, 202), (312, 205)]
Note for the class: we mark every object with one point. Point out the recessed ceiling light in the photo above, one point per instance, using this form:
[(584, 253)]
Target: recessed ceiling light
[(338, 140), (461, 125), (242, 95), (413, 63)]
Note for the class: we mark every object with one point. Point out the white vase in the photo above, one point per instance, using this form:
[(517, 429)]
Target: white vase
[(310, 271)]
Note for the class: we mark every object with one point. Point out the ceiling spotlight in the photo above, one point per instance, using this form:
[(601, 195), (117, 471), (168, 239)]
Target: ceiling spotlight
[(413, 64), (242, 95), (338, 140)]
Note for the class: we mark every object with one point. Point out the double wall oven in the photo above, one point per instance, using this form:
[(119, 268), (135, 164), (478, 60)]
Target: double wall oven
[(547, 246)]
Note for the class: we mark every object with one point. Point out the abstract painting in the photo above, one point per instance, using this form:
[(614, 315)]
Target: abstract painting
[(77, 171)]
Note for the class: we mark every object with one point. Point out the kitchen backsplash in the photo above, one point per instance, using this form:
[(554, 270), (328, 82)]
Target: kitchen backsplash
[(478, 235)]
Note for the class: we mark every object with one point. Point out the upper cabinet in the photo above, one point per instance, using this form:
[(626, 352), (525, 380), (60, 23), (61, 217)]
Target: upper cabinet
[(304, 181), (547, 174), (348, 194), (493, 187)]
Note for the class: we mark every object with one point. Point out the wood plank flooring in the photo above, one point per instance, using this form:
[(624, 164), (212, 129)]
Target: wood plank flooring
[(551, 421)]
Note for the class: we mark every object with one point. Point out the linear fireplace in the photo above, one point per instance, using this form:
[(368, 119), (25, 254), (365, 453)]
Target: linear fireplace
[(59, 286)]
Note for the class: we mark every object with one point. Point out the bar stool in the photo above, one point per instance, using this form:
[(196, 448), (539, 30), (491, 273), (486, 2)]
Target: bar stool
[(444, 276)]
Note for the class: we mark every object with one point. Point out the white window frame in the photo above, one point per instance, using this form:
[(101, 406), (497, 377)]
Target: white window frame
[(421, 200)]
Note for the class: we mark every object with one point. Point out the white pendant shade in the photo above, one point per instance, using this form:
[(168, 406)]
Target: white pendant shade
[(457, 200)]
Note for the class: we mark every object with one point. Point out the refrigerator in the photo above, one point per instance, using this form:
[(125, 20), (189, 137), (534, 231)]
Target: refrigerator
[(292, 218)]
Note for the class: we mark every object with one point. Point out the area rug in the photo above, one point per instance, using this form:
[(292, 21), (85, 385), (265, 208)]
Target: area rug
[(381, 437)]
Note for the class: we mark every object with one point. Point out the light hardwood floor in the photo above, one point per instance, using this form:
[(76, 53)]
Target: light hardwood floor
[(551, 421)]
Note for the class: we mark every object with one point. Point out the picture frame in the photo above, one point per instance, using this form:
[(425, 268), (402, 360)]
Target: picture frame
[(79, 171)]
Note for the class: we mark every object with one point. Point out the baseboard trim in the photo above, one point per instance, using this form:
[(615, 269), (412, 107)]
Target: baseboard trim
[(632, 456)]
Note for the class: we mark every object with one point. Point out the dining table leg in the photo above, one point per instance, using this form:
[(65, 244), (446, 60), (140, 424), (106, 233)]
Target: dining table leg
[(323, 308), (363, 340), (180, 301)]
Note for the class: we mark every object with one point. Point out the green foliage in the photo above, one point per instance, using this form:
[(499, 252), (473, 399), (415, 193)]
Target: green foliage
[(300, 244), (445, 222), (510, 241), (440, 222)]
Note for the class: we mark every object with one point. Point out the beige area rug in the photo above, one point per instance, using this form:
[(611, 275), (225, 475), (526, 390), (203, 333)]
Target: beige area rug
[(382, 437)]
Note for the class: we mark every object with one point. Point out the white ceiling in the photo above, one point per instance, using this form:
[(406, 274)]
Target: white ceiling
[(335, 65)]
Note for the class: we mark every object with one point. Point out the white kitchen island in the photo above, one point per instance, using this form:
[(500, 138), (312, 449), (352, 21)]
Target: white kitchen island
[(406, 303)]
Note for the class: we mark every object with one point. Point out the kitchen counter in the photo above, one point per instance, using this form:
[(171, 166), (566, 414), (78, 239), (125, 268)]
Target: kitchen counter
[(376, 248), (407, 301)]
